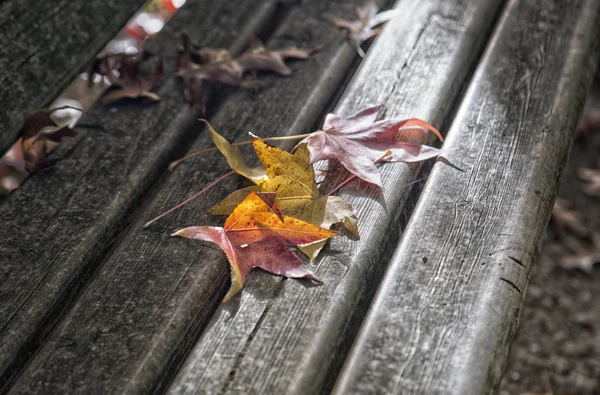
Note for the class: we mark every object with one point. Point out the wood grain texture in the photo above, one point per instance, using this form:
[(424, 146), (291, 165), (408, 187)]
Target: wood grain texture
[(59, 223), (134, 324), (282, 336), (446, 312), (43, 45)]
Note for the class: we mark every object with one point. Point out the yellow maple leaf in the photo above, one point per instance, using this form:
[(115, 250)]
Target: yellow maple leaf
[(234, 157), (292, 178)]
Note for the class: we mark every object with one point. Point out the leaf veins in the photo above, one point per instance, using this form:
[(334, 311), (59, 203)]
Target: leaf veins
[(256, 235)]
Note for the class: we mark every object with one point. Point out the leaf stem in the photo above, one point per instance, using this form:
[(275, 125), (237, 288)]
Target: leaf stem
[(343, 184), (204, 151), (206, 188), (353, 176)]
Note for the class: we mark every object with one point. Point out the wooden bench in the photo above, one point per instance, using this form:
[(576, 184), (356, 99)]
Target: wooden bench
[(44, 47), (92, 303)]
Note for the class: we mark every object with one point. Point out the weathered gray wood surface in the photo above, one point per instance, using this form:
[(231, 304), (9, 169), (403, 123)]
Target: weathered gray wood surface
[(58, 224), (443, 319), (133, 325), (147, 301), (281, 336), (43, 45)]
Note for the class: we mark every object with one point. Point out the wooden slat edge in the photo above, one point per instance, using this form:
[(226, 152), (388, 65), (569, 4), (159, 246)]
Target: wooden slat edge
[(284, 337), (446, 312)]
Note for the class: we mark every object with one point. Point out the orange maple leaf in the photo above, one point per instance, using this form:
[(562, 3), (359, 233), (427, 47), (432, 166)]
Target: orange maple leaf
[(256, 235)]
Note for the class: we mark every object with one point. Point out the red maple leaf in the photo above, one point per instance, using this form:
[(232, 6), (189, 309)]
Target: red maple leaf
[(256, 235), (360, 141)]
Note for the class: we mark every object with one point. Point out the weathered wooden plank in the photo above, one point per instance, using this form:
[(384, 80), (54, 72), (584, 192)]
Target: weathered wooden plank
[(446, 312), (57, 225), (132, 327), (280, 336), (43, 45)]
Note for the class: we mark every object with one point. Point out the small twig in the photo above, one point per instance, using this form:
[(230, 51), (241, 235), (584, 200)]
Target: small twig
[(343, 184), (212, 184), (204, 151)]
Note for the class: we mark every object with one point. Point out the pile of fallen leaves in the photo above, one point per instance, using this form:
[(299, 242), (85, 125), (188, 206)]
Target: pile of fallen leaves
[(285, 207), (134, 75)]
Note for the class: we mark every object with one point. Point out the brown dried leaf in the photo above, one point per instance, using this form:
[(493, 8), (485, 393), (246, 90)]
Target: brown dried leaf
[(567, 219), (360, 30), (123, 71), (218, 65), (131, 84), (206, 55), (257, 57), (107, 64), (584, 257), (40, 135), (591, 177)]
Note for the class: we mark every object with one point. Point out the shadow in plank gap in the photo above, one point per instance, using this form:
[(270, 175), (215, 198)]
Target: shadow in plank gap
[(81, 94)]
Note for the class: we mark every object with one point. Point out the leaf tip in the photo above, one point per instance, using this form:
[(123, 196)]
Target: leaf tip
[(180, 232), (237, 283), (447, 162), (310, 276), (173, 165)]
